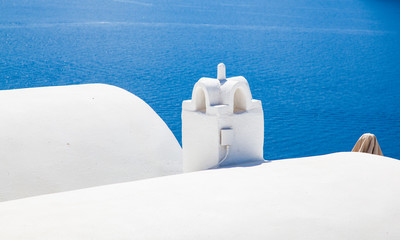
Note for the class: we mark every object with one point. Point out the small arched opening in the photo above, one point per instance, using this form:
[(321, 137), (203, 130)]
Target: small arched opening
[(200, 100), (239, 101)]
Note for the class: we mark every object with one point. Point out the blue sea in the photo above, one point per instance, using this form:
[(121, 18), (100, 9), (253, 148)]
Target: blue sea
[(326, 71)]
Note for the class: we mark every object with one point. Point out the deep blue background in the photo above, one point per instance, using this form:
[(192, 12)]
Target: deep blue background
[(326, 71)]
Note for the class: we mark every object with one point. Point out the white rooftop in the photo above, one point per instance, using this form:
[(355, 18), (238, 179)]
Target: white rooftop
[(70, 137), (337, 196)]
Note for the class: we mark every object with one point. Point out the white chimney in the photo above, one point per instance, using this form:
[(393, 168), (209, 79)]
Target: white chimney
[(221, 125)]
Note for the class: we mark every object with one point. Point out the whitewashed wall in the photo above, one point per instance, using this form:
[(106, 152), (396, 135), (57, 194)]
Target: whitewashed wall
[(218, 106), (61, 138), (341, 196)]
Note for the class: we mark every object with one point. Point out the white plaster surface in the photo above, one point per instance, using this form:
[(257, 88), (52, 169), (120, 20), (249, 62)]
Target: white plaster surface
[(61, 138), (343, 196), (218, 104)]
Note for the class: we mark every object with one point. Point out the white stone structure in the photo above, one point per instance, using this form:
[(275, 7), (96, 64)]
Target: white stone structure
[(221, 124), (70, 137), (341, 196)]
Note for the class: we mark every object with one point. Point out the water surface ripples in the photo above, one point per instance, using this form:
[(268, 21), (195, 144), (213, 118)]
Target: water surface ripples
[(326, 71)]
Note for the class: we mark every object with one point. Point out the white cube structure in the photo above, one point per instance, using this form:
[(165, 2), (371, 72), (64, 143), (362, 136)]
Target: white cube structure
[(221, 124)]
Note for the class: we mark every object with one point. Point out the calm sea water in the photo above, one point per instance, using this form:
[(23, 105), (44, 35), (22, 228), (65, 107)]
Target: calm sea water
[(327, 71)]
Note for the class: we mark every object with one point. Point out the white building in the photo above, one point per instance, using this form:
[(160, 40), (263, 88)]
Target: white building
[(221, 124), (63, 138), (341, 196), (56, 139)]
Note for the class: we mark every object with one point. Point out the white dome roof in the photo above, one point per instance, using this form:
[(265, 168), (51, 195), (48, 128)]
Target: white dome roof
[(62, 138)]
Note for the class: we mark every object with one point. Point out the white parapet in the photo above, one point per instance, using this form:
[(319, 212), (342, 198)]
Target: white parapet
[(62, 138), (221, 124), (341, 196)]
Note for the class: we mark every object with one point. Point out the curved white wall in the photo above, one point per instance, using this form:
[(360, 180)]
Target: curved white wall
[(62, 138), (341, 196)]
